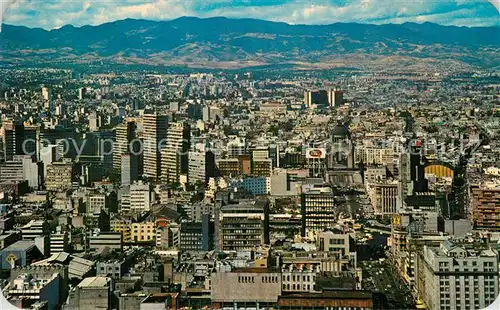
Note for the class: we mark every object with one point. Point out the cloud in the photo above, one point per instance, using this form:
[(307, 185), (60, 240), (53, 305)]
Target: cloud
[(4, 5), (56, 13)]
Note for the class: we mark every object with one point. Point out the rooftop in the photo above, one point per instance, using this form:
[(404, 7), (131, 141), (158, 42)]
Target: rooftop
[(94, 282)]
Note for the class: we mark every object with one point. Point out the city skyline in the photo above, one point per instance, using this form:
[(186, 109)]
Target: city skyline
[(55, 14)]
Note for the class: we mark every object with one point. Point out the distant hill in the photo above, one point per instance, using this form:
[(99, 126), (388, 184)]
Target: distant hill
[(223, 42)]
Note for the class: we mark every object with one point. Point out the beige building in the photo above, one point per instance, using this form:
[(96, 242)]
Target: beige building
[(246, 287), (373, 155), (143, 232), (58, 176), (123, 226), (174, 156), (155, 133), (384, 197)]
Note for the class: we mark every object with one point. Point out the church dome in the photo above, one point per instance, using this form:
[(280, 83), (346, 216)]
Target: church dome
[(340, 131)]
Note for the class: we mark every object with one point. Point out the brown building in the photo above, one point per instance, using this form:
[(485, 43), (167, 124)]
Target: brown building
[(229, 167), (486, 206), (343, 299), (386, 195), (262, 168)]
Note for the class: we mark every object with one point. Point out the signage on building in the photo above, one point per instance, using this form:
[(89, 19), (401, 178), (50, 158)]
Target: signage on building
[(396, 220), (316, 153)]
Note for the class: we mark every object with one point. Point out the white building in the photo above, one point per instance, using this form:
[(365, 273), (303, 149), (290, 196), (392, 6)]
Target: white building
[(457, 275), (140, 197)]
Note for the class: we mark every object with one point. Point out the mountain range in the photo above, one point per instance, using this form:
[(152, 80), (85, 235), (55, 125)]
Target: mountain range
[(236, 43)]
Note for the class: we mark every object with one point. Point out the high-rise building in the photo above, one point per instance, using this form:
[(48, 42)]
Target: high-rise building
[(175, 154), (155, 133), (236, 147), (262, 168), (212, 114), (58, 241), (458, 197), (125, 133), (81, 93), (317, 208), (201, 166), (316, 162), (140, 197), (22, 168), (46, 97), (315, 98), (262, 165), (129, 169), (59, 176), (18, 139), (486, 206), (244, 225), (457, 275), (335, 97), (385, 198), (197, 236)]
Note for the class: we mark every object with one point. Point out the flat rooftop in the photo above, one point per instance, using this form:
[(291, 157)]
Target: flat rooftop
[(94, 282)]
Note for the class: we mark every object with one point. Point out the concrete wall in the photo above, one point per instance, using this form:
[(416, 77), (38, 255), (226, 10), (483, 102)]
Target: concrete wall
[(246, 286)]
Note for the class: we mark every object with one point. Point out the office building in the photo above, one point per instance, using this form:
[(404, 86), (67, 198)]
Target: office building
[(246, 287), (155, 133), (81, 93), (34, 229), (335, 98), (18, 139), (91, 293), (125, 133), (486, 206), (384, 197), (262, 168), (229, 167), (123, 226), (22, 168), (20, 254), (236, 147), (244, 225), (140, 197), (201, 166), (174, 156), (316, 98), (58, 241), (27, 291), (96, 203), (59, 176), (103, 240), (196, 236), (212, 114), (317, 208), (129, 169), (46, 94), (113, 269), (335, 242), (457, 275)]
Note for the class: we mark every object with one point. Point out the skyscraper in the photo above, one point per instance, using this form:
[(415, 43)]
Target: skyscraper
[(46, 97), (174, 157), (317, 208), (129, 169), (125, 133), (155, 133), (18, 140), (335, 97)]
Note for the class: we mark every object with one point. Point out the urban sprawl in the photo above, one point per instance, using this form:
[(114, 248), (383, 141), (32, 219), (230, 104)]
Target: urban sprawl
[(249, 190)]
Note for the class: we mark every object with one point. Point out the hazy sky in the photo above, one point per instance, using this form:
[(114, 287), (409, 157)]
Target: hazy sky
[(51, 14)]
